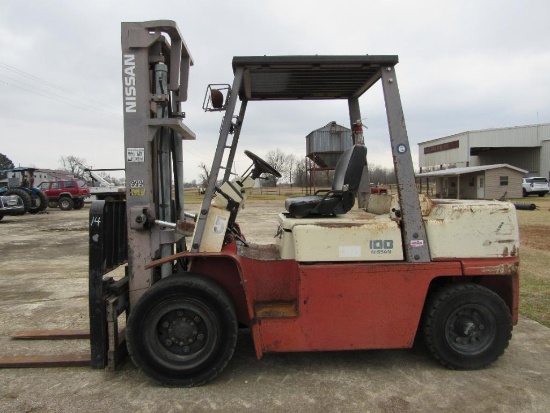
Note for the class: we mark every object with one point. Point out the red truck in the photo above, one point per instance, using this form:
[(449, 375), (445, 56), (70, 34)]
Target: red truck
[(377, 189), (66, 194)]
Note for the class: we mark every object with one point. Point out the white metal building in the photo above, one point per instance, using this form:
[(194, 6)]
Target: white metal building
[(524, 147)]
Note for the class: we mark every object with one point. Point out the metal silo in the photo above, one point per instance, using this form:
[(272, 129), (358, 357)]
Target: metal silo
[(325, 145)]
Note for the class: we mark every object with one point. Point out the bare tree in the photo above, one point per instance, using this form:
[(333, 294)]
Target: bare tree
[(204, 175), (379, 174), (278, 160), (300, 172), (292, 162), (74, 165)]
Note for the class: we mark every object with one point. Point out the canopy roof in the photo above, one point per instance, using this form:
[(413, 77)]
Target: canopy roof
[(309, 77)]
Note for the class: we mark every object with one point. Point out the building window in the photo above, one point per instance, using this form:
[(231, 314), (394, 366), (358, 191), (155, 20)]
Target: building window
[(472, 181), (503, 181)]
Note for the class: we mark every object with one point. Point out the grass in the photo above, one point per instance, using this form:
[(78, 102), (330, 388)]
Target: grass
[(534, 292), (534, 296)]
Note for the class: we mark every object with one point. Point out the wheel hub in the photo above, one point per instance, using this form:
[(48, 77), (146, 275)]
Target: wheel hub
[(182, 332), (466, 331)]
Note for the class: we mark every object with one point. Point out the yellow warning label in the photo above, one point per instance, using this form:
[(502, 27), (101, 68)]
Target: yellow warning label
[(137, 191)]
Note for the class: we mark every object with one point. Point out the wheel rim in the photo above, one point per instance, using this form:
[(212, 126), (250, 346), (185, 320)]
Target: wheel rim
[(470, 329), (64, 203), (182, 334)]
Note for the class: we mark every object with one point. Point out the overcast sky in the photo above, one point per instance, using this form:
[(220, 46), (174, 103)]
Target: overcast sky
[(464, 65)]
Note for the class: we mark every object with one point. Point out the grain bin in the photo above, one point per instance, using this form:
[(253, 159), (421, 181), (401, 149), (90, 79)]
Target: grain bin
[(325, 145)]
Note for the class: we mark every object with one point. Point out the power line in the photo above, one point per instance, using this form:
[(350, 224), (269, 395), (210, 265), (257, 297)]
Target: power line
[(73, 102), (50, 84), (51, 96)]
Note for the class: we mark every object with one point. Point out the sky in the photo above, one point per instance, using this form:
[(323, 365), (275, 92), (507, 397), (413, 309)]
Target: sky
[(463, 65)]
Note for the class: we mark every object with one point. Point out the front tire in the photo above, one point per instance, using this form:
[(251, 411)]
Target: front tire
[(183, 331), (467, 326), (66, 203)]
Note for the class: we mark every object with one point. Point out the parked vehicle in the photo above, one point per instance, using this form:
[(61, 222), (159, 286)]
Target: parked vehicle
[(11, 205), (67, 194), (377, 189), (536, 185), (333, 279), (103, 189)]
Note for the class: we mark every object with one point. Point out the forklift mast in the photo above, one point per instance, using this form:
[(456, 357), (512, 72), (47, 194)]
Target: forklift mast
[(155, 72)]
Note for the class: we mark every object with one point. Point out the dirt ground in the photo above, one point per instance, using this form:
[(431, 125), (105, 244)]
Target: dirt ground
[(44, 285)]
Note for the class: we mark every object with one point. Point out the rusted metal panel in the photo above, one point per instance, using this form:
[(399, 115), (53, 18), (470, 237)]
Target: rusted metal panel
[(276, 309), (501, 266), (355, 306), (65, 360), (51, 335)]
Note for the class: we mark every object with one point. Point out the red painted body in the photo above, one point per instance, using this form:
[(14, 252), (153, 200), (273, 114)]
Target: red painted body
[(294, 306)]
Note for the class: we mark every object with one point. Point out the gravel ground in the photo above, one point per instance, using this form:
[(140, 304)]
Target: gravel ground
[(43, 285)]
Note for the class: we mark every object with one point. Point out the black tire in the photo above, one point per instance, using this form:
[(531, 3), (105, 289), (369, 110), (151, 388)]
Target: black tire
[(66, 203), (39, 202), (183, 331), (524, 193), (1, 217), (466, 326), (24, 195), (541, 194), (78, 204), (52, 204)]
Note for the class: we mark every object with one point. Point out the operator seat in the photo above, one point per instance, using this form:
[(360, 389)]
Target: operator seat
[(341, 198)]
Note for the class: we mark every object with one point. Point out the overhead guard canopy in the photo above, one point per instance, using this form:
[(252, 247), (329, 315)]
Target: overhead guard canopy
[(292, 77)]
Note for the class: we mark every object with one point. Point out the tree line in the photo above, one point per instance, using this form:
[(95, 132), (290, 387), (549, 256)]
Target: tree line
[(297, 171)]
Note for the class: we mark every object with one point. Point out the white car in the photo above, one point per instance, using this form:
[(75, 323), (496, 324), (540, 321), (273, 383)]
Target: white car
[(535, 185)]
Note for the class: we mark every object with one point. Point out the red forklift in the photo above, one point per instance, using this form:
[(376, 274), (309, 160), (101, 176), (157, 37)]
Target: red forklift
[(337, 277)]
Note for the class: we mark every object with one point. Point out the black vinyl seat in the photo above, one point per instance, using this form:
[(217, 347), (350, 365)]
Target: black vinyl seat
[(341, 198)]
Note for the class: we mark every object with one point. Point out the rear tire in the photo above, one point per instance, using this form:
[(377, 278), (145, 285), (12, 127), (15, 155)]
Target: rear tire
[(39, 202), (466, 326), (66, 204), (24, 195), (183, 331), (541, 194), (78, 204)]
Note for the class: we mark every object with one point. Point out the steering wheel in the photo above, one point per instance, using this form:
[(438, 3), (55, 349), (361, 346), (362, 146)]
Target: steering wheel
[(261, 166)]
